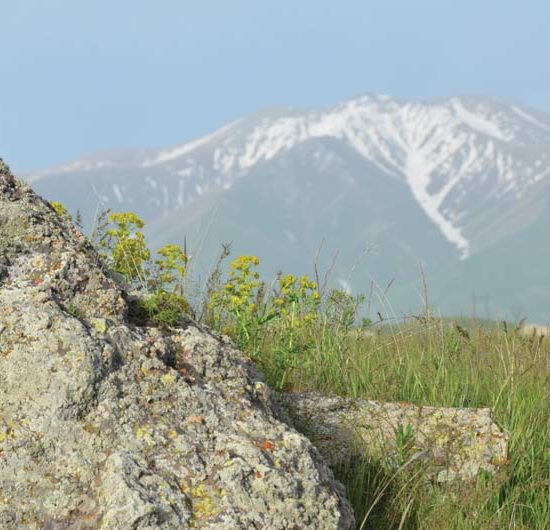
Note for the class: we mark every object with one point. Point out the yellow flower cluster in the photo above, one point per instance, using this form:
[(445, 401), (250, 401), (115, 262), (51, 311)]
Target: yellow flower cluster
[(172, 264), (243, 308), (241, 289), (297, 300), (126, 244), (239, 304)]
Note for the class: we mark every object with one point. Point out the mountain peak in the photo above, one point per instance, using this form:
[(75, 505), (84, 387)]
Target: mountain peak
[(445, 151), (447, 182)]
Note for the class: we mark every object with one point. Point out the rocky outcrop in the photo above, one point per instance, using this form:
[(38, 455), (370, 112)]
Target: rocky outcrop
[(449, 444), (105, 424)]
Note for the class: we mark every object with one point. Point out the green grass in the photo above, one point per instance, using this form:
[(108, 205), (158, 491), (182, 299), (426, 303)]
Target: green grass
[(434, 362)]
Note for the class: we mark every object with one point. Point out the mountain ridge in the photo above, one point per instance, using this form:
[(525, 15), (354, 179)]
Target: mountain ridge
[(478, 169)]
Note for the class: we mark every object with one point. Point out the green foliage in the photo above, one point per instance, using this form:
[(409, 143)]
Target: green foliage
[(296, 305), (243, 308), (297, 302), (74, 311), (404, 439), (366, 322), (164, 309), (342, 309), (125, 246)]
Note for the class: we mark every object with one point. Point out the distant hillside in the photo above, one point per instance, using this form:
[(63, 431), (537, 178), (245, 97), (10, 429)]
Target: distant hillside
[(460, 185)]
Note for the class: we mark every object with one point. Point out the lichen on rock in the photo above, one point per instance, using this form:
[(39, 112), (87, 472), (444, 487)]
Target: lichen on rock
[(105, 424), (450, 444)]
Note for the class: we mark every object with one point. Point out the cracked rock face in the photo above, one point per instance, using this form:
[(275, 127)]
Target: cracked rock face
[(108, 425)]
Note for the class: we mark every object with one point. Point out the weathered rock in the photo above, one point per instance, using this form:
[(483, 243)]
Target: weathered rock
[(449, 443), (109, 425)]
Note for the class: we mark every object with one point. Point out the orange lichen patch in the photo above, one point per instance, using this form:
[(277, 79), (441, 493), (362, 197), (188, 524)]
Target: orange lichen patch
[(195, 419), (90, 428), (267, 446)]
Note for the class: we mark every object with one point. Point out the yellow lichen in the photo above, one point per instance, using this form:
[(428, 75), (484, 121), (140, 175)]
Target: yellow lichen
[(99, 324), (8, 434), (203, 501), (144, 433), (168, 379), (442, 439)]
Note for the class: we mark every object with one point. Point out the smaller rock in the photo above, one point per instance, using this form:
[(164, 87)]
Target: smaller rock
[(450, 443)]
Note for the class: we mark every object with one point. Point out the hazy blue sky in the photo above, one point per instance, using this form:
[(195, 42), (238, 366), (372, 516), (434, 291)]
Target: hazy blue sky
[(79, 76)]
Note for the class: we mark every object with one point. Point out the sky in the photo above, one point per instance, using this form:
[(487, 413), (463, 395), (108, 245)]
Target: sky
[(77, 76)]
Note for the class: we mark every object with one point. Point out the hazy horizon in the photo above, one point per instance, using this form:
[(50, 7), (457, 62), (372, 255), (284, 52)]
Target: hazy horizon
[(85, 78)]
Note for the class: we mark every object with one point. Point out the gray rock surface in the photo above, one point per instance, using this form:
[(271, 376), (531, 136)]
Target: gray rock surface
[(450, 444), (108, 425)]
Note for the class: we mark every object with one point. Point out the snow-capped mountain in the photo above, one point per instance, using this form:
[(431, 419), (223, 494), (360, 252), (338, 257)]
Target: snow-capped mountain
[(439, 182)]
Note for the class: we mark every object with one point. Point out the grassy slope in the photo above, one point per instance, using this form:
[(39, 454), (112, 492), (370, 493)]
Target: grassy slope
[(432, 363)]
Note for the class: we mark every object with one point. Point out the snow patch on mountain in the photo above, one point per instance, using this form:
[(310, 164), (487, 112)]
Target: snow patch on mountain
[(445, 151), (530, 118), (418, 174), (480, 123), (71, 167), (435, 148), (178, 151)]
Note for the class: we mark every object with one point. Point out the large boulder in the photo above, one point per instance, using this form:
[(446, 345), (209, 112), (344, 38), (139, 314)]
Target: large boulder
[(106, 424)]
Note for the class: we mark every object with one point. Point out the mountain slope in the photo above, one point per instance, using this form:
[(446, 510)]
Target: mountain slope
[(440, 183)]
